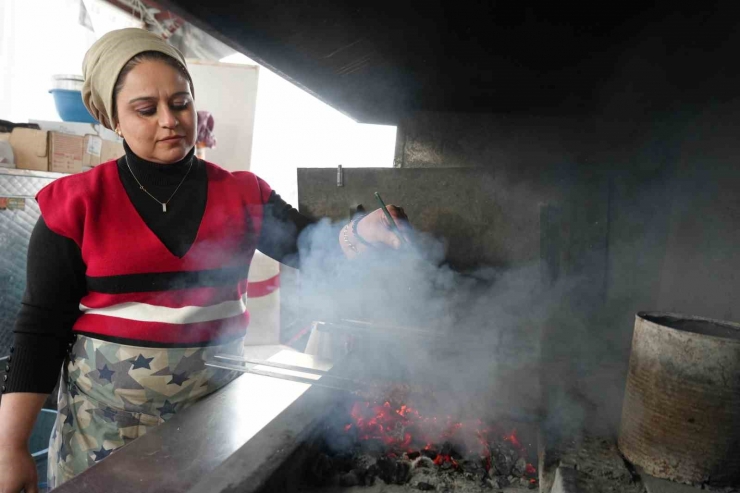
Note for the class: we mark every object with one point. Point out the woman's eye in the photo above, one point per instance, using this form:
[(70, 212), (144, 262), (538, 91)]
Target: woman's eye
[(180, 106), (146, 111)]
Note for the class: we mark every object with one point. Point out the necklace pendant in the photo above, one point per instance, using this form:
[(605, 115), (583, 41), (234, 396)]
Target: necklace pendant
[(164, 207)]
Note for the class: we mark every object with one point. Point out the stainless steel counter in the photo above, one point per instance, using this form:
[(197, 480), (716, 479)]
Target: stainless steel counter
[(232, 440)]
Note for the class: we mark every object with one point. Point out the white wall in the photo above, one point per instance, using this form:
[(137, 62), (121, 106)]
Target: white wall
[(229, 93), (292, 128), (295, 130), (40, 38)]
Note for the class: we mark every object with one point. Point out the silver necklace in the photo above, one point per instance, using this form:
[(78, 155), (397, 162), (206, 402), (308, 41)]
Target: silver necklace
[(163, 204)]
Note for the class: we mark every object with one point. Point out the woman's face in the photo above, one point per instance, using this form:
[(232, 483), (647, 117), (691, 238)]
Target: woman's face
[(155, 112)]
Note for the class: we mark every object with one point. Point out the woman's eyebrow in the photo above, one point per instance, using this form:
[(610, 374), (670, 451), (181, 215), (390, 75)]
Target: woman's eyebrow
[(153, 98), (143, 98)]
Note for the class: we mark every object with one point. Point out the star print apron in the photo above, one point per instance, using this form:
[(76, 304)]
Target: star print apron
[(112, 393)]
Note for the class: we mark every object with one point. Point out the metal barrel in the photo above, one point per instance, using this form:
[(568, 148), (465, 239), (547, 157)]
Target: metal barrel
[(681, 411)]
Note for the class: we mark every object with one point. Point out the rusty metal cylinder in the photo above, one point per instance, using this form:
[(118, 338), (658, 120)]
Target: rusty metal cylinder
[(681, 412)]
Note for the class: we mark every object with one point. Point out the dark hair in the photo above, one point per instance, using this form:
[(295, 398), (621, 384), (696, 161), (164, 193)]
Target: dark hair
[(147, 56)]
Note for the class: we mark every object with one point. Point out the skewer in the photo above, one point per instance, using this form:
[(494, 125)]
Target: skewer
[(282, 366), (281, 376), (391, 221)]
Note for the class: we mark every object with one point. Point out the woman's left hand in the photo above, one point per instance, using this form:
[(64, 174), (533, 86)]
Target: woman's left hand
[(374, 230)]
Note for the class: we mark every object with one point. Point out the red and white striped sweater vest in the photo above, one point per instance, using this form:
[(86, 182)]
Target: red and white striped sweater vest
[(138, 291)]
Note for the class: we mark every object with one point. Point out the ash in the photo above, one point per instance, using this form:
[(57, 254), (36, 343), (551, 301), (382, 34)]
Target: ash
[(346, 460), (391, 488), (366, 473)]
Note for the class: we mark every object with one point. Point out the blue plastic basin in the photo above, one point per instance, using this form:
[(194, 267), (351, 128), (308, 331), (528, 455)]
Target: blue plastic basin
[(70, 106), (39, 443)]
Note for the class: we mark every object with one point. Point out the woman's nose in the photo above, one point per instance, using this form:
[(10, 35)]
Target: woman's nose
[(167, 118)]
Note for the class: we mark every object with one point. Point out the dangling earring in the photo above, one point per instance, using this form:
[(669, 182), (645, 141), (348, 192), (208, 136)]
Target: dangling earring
[(118, 132)]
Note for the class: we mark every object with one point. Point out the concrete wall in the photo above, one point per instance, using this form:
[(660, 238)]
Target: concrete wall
[(670, 184), (701, 267), (663, 187)]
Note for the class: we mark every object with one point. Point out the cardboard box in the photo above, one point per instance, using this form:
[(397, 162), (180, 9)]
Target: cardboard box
[(98, 151), (93, 151), (31, 149), (66, 152), (111, 150), (40, 150), (78, 129)]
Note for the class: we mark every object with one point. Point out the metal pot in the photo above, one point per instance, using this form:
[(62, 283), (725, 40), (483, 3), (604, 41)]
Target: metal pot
[(681, 412)]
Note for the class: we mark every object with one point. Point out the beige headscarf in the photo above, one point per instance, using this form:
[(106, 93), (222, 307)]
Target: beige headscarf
[(104, 61)]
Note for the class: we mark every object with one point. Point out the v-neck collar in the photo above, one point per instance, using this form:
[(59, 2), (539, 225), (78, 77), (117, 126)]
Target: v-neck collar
[(122, 169)]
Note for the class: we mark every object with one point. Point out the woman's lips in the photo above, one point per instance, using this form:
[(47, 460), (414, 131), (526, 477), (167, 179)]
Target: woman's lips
[(174, 138)]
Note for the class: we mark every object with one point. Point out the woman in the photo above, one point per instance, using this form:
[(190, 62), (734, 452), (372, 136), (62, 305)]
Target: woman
[(137, 270)]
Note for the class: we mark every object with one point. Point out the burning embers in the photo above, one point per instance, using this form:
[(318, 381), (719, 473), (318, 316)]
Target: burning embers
[(400, 444)]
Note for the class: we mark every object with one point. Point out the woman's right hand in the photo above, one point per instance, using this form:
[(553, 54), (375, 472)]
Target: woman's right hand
[(18, 412), (17, 470)]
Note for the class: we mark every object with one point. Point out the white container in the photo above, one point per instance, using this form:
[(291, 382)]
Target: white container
[(67, 82)]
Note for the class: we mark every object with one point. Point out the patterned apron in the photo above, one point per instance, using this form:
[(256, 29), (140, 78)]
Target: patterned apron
[(112, 393)]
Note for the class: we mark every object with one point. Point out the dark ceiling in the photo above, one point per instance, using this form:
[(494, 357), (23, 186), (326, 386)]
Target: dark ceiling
[(379, 60)]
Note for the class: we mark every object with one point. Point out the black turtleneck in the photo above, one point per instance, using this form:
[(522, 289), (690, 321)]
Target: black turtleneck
[(56, 272), (187, 205)]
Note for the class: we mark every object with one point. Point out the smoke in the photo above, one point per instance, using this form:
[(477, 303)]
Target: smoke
[(512, 339), (475, 338), (658, 169)]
